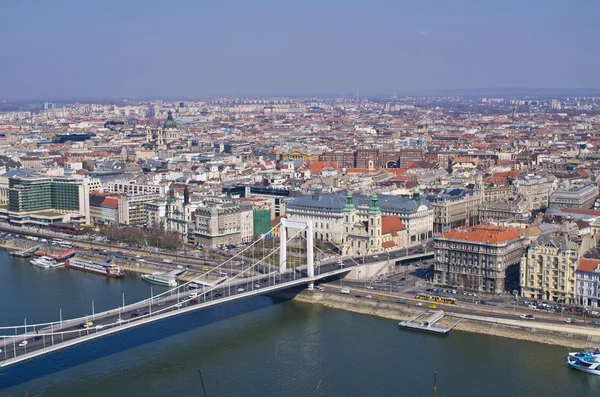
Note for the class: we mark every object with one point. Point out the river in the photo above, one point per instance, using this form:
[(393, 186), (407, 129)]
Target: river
[(262, 347)]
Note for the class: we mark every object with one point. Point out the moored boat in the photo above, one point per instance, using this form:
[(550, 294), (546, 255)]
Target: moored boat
[(586, 361), (105, 268), (160, 278), (46, 262)]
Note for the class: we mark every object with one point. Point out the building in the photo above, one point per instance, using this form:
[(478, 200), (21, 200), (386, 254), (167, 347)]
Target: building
[(548, 270), (588, 276), (161, 138), (536, 189), (130, 187), (40, 200), (326, 212), (218, 224), (375, 234), (104, 210), (133, 209), (454, 208), (480, 258), (514, 208), (577, 197)]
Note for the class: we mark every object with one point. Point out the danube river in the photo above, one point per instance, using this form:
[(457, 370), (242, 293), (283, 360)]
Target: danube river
[(262, 347)]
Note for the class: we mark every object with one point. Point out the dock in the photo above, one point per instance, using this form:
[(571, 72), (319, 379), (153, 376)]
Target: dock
[(26, 253), (428, 325)]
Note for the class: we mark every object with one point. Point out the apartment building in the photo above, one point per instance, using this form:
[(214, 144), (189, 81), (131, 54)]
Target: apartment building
[(480, 258), (576, 197), (588, 279), (548, 270)]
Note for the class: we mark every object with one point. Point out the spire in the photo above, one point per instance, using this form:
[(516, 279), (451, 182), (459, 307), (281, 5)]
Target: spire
[(349, 206), (374, 207), (171, 193), (417, 195), (186, 195)]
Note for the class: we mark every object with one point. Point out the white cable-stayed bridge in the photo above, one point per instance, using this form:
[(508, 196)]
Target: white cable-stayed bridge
[(283, 267)]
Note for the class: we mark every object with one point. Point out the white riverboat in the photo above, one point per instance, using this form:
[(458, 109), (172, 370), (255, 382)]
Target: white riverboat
[(586, 361), (160, 279), (46, 262)]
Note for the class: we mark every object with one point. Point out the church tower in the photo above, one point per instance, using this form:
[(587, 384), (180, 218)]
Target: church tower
[(374, 214), (349, 220)]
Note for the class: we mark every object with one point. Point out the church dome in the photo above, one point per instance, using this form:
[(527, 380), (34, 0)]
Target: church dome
[(170, 123)]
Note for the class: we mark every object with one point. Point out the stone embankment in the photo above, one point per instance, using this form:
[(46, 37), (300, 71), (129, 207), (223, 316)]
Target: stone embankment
[(530, 331)]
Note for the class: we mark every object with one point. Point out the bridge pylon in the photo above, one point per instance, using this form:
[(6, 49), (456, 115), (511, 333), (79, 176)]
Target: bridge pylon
[(302, 225)]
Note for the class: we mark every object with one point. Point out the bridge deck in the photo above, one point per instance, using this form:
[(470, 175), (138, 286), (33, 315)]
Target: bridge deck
[(107, 323)]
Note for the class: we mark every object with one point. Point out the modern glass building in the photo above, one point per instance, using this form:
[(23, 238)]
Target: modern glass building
[(29, 194)]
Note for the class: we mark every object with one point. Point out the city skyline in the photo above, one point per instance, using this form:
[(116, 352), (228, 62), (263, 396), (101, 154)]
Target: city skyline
[(151, 50)]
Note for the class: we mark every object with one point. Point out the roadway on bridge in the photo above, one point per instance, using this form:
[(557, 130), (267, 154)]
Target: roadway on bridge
[(139, 313)]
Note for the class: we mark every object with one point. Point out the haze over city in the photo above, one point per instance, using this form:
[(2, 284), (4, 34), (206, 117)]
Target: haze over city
[(150, 49), (277, 198)]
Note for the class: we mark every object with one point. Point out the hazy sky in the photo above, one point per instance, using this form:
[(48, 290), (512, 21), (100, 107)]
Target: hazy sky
[(97, 49)]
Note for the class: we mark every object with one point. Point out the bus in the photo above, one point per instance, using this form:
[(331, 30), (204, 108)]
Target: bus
[(436, 298)]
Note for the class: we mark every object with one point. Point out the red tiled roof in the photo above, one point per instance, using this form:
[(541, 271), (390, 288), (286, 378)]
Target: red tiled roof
[(588, 265), (482, 235), (388, 244), (110, 202), (391, 224), (579, 211)]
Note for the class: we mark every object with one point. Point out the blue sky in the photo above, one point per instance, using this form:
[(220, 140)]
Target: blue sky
[(181, 49)]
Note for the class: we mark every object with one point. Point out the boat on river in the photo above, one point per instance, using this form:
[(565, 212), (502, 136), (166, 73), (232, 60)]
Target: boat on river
[(587, 361), (160, 279), (46, 262)]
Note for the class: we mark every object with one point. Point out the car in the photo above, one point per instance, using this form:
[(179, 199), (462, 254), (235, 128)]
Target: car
[(99, 326), (134, 315), (594, 323), (569, 320), (178, 305), (241, 289), (594, 313), (145, 313), (257, 285), (36, 338), (119, 320), (320, 288), (357, 296), (418, 304), (194, 301), (204, 268), (24, 343), (160, 303), (527, 316), (401, 301), (218, 295), (382, 298), (86, 324), (369, 287), (368, 296), (193, 295), (432, 306)]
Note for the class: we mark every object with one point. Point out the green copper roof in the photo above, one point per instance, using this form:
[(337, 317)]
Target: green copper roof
[(170, 123), (349, 206), (374, 207)]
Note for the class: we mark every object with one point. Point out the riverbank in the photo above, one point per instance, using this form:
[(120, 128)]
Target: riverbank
[(128, 266), (532, 331)]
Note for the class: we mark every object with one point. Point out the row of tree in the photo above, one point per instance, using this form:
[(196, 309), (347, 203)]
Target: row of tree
[(139, 237)]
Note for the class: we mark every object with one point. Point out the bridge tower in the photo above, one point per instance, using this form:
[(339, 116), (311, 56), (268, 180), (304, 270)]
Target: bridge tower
[(307, 226)]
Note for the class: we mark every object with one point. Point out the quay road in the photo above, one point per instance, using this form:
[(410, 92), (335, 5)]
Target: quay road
[(59, 335), (194, 263), (492, 314)]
